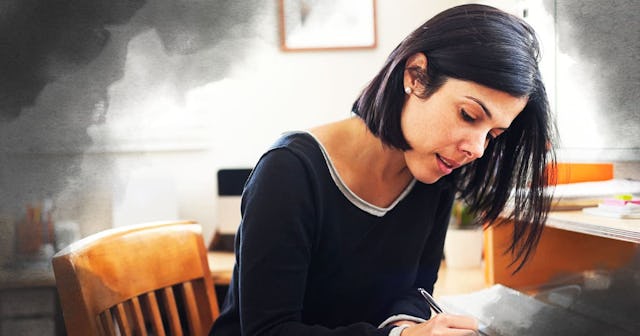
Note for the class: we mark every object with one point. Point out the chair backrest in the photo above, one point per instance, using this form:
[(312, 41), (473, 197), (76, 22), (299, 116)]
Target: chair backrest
[(128, 280)]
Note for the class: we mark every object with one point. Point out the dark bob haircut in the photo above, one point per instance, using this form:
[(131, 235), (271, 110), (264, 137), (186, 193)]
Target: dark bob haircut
[(490, 47)]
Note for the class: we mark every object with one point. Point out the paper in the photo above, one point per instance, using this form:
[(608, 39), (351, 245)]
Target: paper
[(507, 312), (599, 211), (596, 189), (573, 196)]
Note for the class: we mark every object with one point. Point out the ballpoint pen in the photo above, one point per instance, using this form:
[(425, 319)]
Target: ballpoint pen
[(431, 301), (482, 329)]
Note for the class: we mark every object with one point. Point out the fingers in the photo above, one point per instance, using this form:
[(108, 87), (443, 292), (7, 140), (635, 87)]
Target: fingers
[(444, 325), (455, 321)]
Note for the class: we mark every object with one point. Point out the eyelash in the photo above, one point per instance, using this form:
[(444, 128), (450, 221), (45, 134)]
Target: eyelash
[(468, 118)]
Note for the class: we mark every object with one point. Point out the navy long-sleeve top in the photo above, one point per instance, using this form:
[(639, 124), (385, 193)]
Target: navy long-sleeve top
[(312, 258)]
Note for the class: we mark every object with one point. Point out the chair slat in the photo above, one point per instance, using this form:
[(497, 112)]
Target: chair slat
[(208, 313), (122, 319), (193, 318), (172, 311), (106, 320), (153, 311), (100, 325), (138, 318)]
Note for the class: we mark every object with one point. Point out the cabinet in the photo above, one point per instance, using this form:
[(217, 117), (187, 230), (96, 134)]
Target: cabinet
[(572, 241), (29, 304)]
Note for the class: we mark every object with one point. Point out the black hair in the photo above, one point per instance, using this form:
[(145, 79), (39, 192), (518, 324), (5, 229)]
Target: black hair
[(485, 45)]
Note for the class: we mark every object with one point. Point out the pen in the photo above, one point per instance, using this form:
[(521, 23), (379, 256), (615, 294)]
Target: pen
[(431, 301), (482, 329)]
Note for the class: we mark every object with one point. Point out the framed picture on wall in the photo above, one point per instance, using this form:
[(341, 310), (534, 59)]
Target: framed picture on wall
[(327, 24)]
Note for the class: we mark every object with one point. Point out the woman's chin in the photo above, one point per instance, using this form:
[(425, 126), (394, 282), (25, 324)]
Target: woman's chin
[(428, 178)]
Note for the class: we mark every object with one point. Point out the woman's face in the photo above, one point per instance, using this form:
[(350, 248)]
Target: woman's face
[(453, 126)]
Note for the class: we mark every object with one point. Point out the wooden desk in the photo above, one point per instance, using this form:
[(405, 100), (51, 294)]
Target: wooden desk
[(572, 242), (221, 265), (613, 228)]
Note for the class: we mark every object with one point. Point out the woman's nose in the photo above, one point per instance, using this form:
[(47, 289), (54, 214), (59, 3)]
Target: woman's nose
[(474, 147)]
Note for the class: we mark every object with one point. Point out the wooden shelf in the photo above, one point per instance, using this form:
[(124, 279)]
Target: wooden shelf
[(571, 242), (578, 221), (13, 278)]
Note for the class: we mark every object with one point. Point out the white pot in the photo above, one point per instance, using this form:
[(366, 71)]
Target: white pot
[(463, 248)]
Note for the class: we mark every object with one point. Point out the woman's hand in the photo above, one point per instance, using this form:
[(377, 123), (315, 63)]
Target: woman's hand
[(444, 325)]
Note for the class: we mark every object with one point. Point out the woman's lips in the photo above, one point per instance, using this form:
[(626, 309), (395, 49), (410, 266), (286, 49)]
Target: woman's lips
[(446, 166)]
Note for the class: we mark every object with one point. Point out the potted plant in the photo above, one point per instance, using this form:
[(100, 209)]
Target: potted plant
[(463, 244)]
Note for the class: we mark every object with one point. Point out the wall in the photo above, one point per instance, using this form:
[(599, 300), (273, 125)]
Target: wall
[(160, 94)]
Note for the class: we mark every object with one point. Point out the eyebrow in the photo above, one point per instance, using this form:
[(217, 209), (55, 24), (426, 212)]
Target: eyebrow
[(484, 107)]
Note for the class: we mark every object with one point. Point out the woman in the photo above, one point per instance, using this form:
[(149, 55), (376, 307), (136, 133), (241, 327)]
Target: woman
[(342, 224)]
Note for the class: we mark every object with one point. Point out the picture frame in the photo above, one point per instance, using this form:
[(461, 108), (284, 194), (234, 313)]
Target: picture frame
[(327, 24)]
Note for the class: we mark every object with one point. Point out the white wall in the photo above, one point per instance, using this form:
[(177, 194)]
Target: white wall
[(175, 97), (271, 91), (266, 92), (230, 121)]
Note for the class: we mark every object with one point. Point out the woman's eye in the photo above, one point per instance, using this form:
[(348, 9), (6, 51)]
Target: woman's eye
[(466, 116)]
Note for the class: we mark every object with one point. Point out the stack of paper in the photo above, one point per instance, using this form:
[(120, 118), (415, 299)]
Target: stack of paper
[(574, 196)]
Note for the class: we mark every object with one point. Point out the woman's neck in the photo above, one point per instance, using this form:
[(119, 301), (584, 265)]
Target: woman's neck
[(375, 172)]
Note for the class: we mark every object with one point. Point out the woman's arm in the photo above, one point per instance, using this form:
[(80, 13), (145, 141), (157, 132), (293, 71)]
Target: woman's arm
[(411, 306), (441, 324)]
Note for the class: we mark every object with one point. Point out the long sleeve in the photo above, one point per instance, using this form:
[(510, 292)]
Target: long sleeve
[(412, 305), (311, 260)]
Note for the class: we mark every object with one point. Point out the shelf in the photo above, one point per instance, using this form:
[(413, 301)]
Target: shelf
[(13, 278), (123, 148), (577, 221)]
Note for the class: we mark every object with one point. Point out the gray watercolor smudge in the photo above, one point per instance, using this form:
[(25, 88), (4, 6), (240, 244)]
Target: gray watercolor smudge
[(58, 60), (605, 38)]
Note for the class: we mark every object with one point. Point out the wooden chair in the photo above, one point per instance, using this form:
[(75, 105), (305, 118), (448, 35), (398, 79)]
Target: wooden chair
[(127, 280)]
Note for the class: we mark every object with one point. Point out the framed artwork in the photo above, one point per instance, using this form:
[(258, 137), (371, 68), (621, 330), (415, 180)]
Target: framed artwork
[(327, 24)]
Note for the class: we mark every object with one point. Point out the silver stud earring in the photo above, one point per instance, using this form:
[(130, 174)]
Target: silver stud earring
[(407, 90)]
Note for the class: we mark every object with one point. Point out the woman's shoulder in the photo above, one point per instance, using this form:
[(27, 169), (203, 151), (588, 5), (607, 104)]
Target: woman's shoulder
[(294, 148), (299, 142)]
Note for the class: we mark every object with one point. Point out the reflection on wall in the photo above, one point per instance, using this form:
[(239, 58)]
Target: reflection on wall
[(598, 78)]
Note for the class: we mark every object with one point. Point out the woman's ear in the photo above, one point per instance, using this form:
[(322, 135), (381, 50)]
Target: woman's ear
[(417, 61)]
